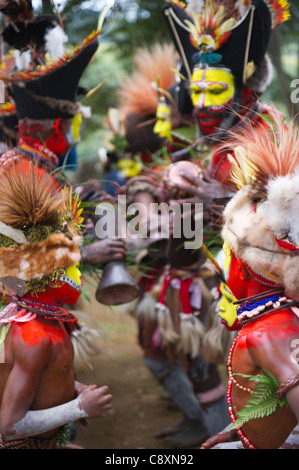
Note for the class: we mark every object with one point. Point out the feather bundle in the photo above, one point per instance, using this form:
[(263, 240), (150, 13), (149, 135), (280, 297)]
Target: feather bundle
[(232, 8), (264, 151), (213, 21), (29, 197), (156, 65)]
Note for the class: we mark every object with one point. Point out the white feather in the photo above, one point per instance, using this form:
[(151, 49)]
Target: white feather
[(282, 205), (22, 59), (280, 194), (195, 6), (294, 207), (12, 233), (55, 42)]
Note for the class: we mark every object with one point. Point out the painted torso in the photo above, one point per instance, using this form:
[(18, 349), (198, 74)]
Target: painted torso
[(265, 344), (49, 345)]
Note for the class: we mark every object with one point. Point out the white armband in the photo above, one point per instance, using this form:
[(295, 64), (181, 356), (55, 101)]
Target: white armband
[(40, 421)]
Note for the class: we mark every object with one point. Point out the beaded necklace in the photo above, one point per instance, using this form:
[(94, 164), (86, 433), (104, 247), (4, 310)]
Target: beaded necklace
[(231, 381), (249, 310), (24, 310), (262, 305), (39, 151)]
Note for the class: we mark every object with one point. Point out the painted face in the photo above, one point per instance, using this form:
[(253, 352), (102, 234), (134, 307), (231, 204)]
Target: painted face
[(226, 309), (65, 135), (234, 273), (163, 124), (212, 91), (69, 287)]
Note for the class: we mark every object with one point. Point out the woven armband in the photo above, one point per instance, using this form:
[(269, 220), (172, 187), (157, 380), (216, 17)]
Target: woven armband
[(284, 388)]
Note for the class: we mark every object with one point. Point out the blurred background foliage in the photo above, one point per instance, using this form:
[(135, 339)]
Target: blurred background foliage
[(131, 24)]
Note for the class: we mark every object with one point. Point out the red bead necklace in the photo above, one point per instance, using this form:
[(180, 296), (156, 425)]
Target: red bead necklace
[(232, 381)]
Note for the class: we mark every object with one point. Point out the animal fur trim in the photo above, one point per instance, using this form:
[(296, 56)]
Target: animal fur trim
[(249, 236), (65, 106), (36, 260), (262, 77)]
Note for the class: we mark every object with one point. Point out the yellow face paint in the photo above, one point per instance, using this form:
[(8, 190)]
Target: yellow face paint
[(226, 309), (76, 124), (212, 88), (227, 259), (163, 125), (74, 273)]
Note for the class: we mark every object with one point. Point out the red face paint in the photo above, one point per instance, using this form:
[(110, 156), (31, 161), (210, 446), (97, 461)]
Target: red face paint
[(241, 282)]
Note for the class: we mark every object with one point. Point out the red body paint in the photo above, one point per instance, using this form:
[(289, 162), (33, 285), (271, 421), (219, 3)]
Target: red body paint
[(34, 333)]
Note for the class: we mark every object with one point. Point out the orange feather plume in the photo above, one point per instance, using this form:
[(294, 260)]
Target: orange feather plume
[(153, 66), (266, 150)]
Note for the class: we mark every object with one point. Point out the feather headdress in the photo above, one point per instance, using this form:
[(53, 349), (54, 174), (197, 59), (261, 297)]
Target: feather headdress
[(211, 27), (40, 224), (155, 68), (264, 152), (261, 220), (233, 33)]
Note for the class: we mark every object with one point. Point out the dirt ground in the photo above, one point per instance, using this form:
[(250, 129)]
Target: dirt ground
[(140, 407)]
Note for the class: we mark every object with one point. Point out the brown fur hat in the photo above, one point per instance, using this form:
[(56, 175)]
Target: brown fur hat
[(36, 260)]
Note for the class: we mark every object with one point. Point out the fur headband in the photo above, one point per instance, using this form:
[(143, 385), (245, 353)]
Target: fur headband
[(36, 260)]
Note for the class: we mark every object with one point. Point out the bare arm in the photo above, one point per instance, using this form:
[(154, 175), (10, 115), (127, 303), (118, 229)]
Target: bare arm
[(16, 418), (91, 403), (293, 400), (22, 383)]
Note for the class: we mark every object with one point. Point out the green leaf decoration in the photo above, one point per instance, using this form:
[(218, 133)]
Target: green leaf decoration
[(63, 436), (186, 134), (263, 401), (120, 144)]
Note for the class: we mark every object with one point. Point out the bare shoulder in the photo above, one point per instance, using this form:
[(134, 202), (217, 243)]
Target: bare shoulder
[(30, 341), (269, 341), (278, 327)]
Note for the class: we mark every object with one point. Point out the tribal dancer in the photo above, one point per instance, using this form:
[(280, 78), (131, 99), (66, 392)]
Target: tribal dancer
[(45, 94), (222, 74), (146, 188), (40, 226), (225, 68), (261, 244)]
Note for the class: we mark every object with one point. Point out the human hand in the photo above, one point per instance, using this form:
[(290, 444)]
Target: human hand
[(95, 401), (225, 436), (203, 189), (103, 251)]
